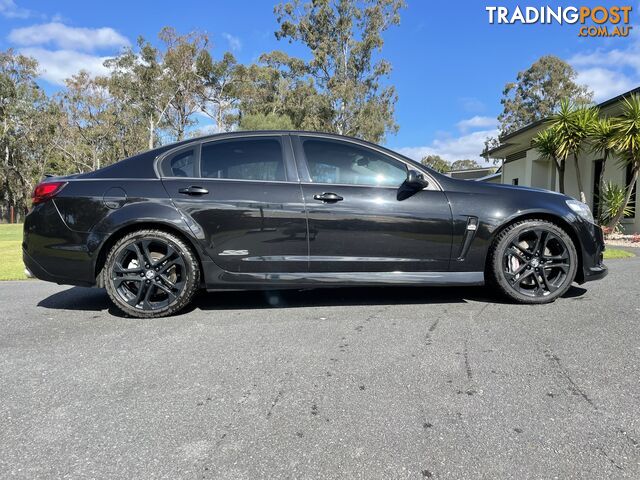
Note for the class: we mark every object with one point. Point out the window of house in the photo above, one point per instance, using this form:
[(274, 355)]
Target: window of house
[(515, 181), (246, 159), (342, 163)]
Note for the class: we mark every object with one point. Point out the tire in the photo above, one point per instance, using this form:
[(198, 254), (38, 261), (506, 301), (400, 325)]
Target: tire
[(151, 274), (533, 262)]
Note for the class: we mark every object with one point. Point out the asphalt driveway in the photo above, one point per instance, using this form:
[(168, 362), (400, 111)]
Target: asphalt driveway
[(355, 383)]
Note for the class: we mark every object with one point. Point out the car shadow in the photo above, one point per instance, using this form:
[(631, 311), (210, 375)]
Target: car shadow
[(95, 299)]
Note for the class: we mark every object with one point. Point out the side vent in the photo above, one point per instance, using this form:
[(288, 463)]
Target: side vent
[(469, 233), (516, 156)]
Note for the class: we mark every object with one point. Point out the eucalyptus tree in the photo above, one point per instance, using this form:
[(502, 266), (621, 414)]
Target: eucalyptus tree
[(217, 89), (538, 93), (27, 123), (436, 162), (344, 37), (180, 77), (137, 79)]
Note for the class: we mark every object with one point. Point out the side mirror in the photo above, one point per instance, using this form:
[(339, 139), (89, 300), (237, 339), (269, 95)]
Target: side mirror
[(416, 180)]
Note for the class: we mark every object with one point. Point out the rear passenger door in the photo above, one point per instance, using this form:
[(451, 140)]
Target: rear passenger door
[(244, 196)]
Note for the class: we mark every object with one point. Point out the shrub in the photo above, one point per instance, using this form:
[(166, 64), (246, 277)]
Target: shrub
[(611, 199)]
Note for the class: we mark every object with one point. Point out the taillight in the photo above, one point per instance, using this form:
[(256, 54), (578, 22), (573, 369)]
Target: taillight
[(45, 191)]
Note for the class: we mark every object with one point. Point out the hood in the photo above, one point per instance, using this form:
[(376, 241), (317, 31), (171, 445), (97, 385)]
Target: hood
[(520, 188)]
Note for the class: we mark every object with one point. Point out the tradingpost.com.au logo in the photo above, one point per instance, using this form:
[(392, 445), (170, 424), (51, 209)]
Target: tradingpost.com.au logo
[(594, 21)]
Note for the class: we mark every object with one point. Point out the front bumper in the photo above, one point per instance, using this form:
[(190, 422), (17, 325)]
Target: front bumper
[(592, 242), (595, 273)]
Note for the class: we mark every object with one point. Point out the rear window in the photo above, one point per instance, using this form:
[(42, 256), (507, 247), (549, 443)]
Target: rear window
[(245, 159)]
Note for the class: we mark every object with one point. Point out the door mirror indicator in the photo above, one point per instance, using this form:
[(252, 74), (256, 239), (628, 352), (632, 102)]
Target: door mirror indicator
[(416, 180)]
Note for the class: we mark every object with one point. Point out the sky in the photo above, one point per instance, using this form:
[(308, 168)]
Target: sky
[(450, 64)]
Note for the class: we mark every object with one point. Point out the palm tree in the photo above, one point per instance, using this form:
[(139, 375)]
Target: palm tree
[(602, 142), (573, 126), (626, 141), (547, 142)]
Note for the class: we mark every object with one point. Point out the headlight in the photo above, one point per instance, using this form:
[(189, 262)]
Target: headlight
[(582, 209)]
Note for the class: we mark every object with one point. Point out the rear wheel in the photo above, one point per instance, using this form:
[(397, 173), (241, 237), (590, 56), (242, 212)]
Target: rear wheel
[(533, 261), (151, 273)]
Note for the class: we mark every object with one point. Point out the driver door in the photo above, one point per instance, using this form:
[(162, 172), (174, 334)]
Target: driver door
[(362, 218)]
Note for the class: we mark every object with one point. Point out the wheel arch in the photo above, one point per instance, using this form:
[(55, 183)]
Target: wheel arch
[(556, 219), (111, 240)]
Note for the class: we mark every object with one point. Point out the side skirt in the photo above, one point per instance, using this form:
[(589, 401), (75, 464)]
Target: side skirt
[(295, 280)]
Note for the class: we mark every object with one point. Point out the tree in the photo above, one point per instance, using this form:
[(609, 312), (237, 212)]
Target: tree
[(547, 143), (217, 90), (269, 89), (626, 141), (465, 164), (437, 163), (343, 37), (270, 121), (95, 129), (137, 79), (573, 126), (602, 142), (537, 93), (180, 64), (27, 123), (489, 144)]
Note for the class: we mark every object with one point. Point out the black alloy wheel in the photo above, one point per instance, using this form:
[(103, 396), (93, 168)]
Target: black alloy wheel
[(151, 273), (534, 261)]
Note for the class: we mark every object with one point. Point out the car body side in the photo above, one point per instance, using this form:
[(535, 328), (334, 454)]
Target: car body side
[(67, 238)]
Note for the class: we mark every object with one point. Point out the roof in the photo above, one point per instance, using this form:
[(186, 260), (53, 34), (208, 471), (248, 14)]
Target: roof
[(537, 123)]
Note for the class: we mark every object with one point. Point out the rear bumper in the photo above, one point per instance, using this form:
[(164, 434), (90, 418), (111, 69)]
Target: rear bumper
[(34, 270), (54, 253)]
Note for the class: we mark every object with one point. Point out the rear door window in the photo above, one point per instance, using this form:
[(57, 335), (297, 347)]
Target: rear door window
[(258, 159)]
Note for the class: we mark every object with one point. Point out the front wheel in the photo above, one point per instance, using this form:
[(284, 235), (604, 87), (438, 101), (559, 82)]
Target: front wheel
[(533, 261), (151, 273)]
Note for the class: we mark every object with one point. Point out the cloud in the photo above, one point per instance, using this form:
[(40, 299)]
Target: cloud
[(605, 83), (67, 38), (9, 9), (471, 104), (57, 66), (234, 42), (453, 148), (609, 72), (476, 122)]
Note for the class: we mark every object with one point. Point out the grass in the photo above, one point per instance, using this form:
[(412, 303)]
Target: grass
[(11, 266), (613, 253)]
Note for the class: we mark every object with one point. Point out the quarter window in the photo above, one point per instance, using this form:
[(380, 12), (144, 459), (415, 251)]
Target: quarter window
[(247, 159), (180, 165), (337, 162)]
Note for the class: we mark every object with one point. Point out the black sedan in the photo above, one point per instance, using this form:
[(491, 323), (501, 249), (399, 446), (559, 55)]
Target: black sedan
[(273, 210)]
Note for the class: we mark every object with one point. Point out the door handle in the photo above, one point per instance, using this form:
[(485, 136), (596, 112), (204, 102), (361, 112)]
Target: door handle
[(328, 197), (193, 190)]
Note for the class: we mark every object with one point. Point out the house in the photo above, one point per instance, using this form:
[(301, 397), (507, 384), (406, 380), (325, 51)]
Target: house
[(522, 164)]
